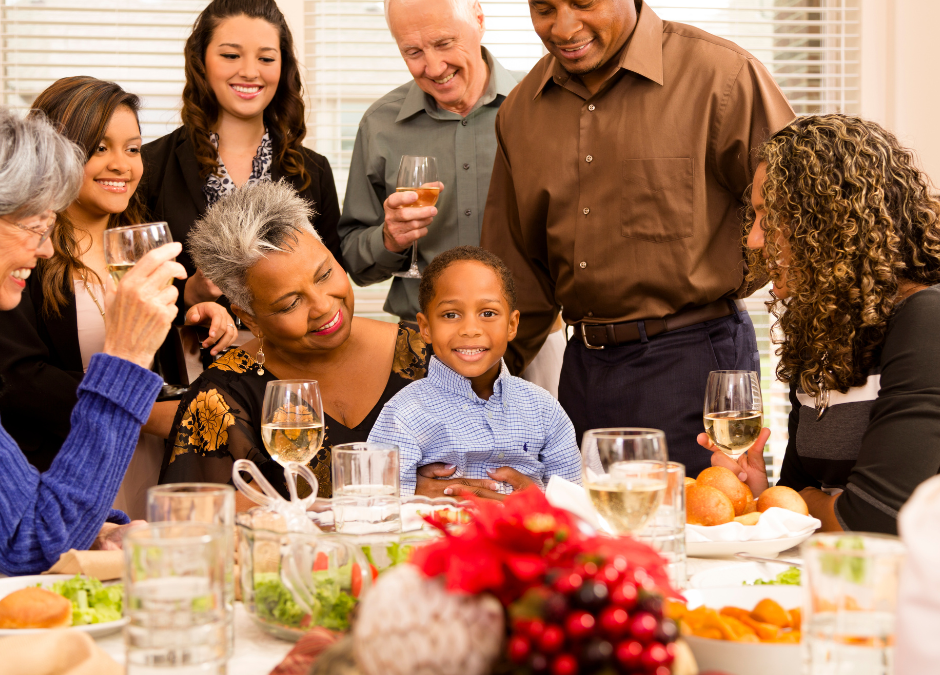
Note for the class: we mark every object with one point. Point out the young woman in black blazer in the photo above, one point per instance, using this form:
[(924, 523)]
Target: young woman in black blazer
[(243, 122), (47, 341)]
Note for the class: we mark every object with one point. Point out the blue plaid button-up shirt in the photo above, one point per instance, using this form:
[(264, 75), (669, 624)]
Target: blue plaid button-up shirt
[(441, 419)]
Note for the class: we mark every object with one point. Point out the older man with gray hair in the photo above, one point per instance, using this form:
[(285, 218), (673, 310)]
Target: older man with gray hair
[(447, 111)]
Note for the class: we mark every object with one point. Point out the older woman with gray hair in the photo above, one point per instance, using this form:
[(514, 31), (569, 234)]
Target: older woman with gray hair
[(42, 515), (258, 245)]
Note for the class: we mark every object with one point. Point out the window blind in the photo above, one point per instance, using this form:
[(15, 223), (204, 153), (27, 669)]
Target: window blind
[(138, 45)]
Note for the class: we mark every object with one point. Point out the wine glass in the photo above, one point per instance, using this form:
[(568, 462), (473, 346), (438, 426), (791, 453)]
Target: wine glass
[(624, 473), (292, 420), (124, 246), (419, 175), (734, 410)]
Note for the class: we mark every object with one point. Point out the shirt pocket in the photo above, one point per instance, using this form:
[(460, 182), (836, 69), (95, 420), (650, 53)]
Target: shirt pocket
[(656, 203)]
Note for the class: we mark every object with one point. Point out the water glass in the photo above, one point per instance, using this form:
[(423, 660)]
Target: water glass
[(850, 591), (174, 598), (366, 488), (209, 503), (666, 530)]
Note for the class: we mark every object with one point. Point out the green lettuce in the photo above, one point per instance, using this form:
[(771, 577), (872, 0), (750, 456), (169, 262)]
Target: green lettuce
[(92, 601), (332, 602), (789, 577)]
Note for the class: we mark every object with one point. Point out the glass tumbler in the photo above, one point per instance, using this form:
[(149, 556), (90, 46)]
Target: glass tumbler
[(174, 597), (665, 532), (209, 503), (850, 591), (366, 491)]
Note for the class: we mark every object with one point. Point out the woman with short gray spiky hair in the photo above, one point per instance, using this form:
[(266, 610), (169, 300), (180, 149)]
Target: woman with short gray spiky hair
[(239, 230), (259, 246)]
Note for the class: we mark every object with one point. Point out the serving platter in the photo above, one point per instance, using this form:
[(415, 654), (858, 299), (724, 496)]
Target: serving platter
[(736, 575), (744, 658), (720, 549), (10, 584)]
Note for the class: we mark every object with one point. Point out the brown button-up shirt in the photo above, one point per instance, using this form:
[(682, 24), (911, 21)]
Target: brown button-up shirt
[(627, 204)]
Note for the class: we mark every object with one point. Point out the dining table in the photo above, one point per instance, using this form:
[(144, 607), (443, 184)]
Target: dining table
[(258, 653)]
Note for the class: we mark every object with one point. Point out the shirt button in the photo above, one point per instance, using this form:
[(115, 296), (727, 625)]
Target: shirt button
[(591, 107), (588, 159), (464, 122), (466, 166), (489, 415), (590, 313), (583, 264), (501, 455), (467, 212), (586, 210)]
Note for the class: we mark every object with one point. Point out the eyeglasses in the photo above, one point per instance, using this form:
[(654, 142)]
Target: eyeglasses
[(40, 225)]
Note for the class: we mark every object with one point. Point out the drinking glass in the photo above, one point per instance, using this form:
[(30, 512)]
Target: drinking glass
[(209, 503), (665, 531), (292, 420), (419, 175), (734, 411), (624, 474), (850, 592), (124, 246), (366, 488), (174, 598)]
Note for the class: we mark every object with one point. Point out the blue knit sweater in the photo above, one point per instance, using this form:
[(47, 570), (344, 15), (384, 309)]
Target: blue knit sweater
[(44, 515)]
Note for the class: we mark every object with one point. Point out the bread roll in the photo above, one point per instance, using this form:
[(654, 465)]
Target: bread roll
[(782, 497), (724, 479), (705, 505), (689, 481), (748, 518), (751, 506), (35, 608)]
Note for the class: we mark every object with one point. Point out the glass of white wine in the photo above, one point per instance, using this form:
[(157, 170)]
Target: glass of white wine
[(418, 175), (124, 246), (734, 410), (292, 420), (624, 472)]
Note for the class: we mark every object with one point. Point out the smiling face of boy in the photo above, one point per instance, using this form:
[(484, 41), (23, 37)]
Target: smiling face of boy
[(469, 323)]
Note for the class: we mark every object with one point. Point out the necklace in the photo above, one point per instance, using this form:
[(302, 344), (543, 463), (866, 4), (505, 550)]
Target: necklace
[(88, 289)]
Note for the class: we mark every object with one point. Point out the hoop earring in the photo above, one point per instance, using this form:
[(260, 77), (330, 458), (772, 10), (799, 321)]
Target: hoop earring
[(259, 356)]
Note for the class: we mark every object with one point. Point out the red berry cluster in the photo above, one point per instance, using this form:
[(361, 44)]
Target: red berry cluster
[(596, 618)]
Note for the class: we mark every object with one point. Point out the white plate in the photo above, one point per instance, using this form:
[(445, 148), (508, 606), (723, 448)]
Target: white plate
[(11, 584), (744, 658), (720, 549), (735, 576)]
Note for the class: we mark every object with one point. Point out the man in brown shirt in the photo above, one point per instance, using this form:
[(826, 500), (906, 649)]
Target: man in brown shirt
[(617, 193)]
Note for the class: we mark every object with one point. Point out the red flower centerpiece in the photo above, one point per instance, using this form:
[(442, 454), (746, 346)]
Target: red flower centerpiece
[(577, 602)]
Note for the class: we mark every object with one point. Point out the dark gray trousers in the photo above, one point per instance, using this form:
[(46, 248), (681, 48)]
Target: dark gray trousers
[(659, 383)]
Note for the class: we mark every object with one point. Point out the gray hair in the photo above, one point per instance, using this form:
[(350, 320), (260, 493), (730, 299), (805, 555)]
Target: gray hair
[(464, 9), (40, 168), (237, 231)]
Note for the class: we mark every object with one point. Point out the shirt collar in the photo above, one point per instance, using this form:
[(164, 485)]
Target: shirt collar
[(642, 55), (500, 84), (452, 382)]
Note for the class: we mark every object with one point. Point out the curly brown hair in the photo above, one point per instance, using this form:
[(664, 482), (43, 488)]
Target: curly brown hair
[(859, 219), (80, 108), (284, 117)]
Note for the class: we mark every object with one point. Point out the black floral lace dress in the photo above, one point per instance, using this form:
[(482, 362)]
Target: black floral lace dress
[(219, 419)]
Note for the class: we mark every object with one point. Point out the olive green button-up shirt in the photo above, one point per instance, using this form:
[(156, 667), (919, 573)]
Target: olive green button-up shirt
[(627, 204), (406, 121)]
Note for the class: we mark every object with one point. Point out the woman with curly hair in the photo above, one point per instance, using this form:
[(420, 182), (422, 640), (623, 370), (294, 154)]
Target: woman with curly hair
[(243, 123), (844, 224)]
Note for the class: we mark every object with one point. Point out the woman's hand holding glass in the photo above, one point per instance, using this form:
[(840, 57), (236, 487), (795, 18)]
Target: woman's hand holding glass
[(749, 467), (140, 310), (222, 330)]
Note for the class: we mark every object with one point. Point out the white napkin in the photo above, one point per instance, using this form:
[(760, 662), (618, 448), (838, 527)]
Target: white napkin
[(563, 494), (774, 523), (918, 650)]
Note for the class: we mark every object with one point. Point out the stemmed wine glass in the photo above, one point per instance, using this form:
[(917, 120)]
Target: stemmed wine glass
[(624, 473), (124, 246), (292, 420), (419, 175), (734, 410)]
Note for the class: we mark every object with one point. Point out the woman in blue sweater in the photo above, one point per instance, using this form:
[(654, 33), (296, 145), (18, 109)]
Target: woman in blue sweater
[(42, 515)]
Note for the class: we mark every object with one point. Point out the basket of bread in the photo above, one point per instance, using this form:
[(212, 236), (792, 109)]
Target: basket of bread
[(724, 518)]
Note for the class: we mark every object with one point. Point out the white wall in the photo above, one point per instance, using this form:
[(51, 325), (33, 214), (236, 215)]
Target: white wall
[(900, 73)]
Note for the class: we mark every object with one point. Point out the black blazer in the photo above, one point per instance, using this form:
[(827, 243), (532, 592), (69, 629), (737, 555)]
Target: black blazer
[(172, 190), (41, 368)]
